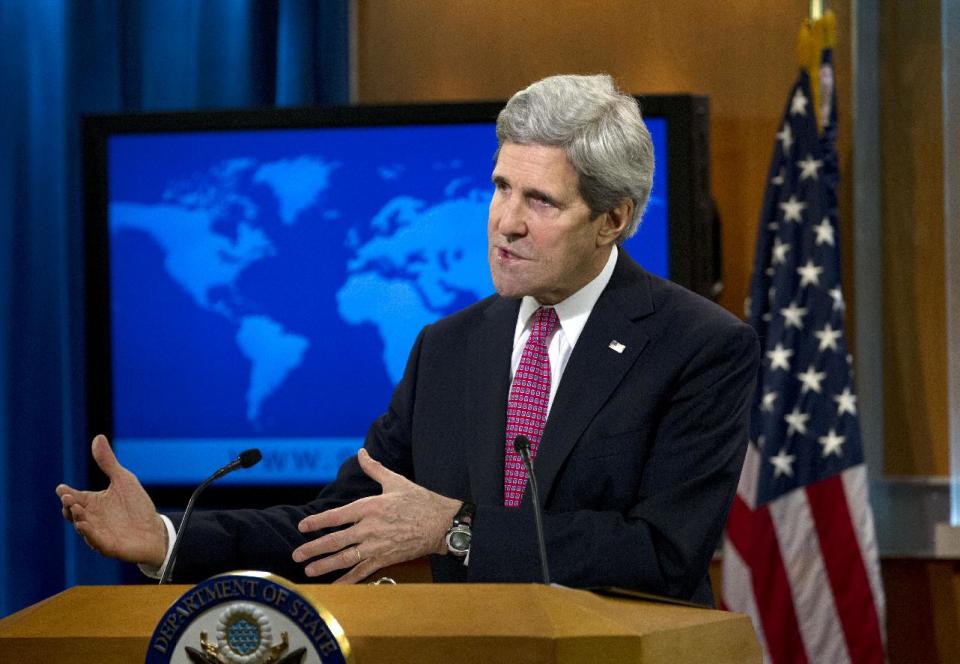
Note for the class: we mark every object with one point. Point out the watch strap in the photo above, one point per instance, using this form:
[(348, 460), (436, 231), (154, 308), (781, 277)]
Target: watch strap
[(465, 514)]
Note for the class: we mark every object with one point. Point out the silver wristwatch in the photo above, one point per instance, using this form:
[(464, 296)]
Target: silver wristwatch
[(458, 537)]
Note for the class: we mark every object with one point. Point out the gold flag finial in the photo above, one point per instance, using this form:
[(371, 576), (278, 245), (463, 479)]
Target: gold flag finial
[(816, 35), (816, 9)]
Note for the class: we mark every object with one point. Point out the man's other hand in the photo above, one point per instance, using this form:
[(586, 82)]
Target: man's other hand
[(403, 523), (121, 521)]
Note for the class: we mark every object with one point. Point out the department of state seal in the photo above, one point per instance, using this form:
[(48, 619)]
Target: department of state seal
[(256, 618)]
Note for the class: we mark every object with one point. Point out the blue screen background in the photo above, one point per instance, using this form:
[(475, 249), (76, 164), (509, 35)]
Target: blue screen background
[(267, 285)]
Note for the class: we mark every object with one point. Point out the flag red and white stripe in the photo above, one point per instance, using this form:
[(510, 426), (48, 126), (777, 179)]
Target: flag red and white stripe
[(805, 568)]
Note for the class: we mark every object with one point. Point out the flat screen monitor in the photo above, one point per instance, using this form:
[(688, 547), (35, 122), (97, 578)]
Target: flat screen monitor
[(257, 279)]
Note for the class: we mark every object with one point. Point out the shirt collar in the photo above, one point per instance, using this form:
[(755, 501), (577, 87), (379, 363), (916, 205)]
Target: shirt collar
[(573, 311)]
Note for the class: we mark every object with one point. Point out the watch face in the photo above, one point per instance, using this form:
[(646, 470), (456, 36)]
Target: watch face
[(459, 541)]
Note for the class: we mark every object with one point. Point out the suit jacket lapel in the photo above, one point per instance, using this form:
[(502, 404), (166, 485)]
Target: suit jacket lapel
[(492, 344), (595, 369)]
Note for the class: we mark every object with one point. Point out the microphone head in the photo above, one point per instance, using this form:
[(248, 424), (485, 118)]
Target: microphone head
[(250, 458), (521, 444)]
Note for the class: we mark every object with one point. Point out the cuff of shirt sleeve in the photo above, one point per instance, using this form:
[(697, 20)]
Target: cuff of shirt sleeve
[(157, 572)]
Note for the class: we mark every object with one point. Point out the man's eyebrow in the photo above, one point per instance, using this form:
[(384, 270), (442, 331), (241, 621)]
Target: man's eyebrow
[(529, 192)]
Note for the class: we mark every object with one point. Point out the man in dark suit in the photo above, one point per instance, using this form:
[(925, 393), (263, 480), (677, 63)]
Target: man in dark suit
[(633, 392)]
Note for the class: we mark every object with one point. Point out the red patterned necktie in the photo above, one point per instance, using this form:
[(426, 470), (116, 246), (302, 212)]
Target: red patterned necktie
[(527, 405)]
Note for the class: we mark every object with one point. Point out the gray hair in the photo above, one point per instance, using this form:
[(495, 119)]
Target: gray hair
[(601, 131)]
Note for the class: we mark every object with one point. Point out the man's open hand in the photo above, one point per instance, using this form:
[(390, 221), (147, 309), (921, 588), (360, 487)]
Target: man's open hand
[(120, 521), (403, 523)]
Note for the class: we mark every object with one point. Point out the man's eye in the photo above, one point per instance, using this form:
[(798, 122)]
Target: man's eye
[(543, 202)]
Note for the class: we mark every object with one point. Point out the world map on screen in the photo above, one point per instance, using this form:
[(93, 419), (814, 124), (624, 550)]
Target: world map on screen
[(405, 267)]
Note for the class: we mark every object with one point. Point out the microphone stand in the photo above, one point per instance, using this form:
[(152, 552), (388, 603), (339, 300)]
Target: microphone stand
[(522, 445), (246, 459)]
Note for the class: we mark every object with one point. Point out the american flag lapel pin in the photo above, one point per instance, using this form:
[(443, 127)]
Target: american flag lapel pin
[(617, 346)]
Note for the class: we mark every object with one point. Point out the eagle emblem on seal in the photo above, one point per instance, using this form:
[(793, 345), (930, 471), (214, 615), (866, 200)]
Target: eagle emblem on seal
[(244, 636)]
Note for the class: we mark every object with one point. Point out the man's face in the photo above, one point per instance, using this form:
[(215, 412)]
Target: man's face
[(542, 241)]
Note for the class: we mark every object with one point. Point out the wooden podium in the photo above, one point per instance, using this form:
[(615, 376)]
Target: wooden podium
[(407, 623)]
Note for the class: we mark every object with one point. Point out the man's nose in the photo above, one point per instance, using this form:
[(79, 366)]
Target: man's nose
[(512, 218)]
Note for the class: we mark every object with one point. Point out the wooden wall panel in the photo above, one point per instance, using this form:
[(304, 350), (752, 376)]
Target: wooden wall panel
[(740, 54), (923, 610), (912, 207)]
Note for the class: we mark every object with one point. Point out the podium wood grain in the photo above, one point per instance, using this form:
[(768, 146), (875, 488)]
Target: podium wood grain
[(407, 623)]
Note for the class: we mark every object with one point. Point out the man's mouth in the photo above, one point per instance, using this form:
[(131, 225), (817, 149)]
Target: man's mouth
[(505, 254)]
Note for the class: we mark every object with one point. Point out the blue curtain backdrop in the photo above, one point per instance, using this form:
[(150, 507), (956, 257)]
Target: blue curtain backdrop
[(60, 59)]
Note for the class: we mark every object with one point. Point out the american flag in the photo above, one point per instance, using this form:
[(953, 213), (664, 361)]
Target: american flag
[(800, 555)]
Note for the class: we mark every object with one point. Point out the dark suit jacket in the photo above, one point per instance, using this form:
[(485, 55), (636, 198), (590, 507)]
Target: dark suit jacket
[(637, 466)]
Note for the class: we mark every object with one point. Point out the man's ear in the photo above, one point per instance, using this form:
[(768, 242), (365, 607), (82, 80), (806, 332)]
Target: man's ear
[(613, 222)]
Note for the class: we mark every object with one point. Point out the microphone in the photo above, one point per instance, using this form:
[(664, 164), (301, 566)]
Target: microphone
[(247, 459), (522, 445)]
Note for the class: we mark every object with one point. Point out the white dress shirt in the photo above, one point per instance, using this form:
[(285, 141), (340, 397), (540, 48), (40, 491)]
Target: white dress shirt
[(572, 313)]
